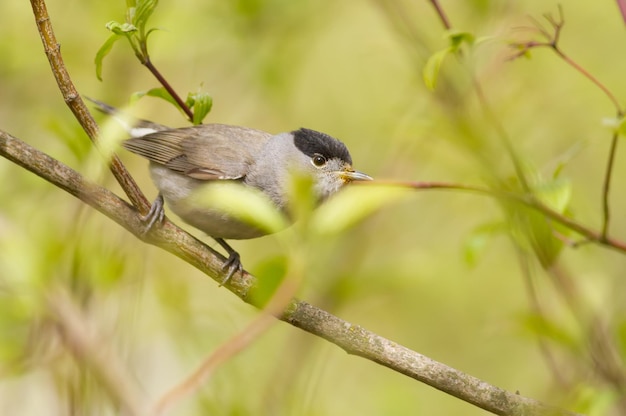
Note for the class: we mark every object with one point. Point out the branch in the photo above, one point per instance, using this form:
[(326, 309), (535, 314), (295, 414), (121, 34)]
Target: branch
[(530, 201), (552, 42), (73, 100), (352, 338)]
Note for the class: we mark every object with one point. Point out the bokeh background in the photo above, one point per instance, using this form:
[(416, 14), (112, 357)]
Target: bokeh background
[(436, 272)]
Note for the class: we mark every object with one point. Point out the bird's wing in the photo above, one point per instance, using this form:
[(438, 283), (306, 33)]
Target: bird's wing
[(205, 152)]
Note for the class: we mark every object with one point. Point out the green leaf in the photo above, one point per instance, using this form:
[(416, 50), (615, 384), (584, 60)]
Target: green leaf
[(556, 194), (200, 103), (122, 29), (458, 38), (540, 325), (432, 67), (158, 92), (271, 273), (104, 51), (248, 205), (144, 10), (478, 239), (352, 205)]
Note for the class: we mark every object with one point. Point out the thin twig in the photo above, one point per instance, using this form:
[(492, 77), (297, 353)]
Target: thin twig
[(74, 101), (352, 338), (441, 14), (527, 200), (168, 87), (553, 43), (484, 103), (607, 186)]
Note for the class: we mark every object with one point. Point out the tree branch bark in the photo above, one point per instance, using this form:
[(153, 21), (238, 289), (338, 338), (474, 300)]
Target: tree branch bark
[(351, 338)]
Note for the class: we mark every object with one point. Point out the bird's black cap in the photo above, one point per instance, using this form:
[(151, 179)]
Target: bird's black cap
[(311, 142)]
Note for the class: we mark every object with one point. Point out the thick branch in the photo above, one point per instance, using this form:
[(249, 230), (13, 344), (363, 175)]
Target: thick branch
[(352, 338)]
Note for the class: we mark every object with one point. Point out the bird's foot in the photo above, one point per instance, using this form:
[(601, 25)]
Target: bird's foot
[(232, 264), (156, 214)]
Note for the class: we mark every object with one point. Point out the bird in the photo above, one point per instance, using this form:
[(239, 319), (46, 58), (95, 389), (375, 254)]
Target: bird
[(183, 160)]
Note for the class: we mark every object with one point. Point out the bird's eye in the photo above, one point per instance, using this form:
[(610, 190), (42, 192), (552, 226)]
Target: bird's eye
[(318, 160)]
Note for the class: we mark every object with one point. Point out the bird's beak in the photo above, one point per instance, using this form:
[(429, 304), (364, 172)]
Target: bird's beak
[(352, 175)]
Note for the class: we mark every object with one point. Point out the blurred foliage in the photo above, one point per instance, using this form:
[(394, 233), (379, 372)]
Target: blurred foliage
[(489, 287)]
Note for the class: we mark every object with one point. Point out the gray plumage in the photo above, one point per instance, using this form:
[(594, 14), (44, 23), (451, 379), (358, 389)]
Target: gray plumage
[(184, 160)]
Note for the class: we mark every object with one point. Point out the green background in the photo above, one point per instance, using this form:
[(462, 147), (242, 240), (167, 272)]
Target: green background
[(417, 272)]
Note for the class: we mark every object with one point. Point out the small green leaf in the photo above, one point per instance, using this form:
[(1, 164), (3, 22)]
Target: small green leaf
[(351, 205), (200, 103), (457, 38), (432, 67), (475, 243), (144, 10), (556, 194), (104, 51), (123, 29), (159, 92)]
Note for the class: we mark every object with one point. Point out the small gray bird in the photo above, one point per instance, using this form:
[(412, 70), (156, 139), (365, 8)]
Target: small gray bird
[(182, 160)]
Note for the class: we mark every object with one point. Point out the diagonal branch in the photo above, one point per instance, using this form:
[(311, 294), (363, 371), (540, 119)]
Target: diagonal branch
[(73, 100), (352, 338)]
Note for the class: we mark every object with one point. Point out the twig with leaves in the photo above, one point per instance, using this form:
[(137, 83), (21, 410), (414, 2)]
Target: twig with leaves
[(552, 42)]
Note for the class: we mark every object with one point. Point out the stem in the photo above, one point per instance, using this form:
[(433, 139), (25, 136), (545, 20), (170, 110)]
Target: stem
[(441, 14), (607, 186), (529, 201), (183, 106), (590, 77)]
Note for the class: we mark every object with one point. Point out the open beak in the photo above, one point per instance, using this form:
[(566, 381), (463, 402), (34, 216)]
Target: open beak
[(352, 175)]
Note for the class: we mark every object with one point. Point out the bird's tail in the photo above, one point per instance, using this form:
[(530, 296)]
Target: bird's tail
[(135, 127)]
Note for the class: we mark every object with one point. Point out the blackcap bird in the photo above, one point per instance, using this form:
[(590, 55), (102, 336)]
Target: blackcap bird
[(182, 160)]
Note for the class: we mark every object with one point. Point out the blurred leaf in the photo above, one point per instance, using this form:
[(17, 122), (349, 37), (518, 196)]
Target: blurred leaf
[(616, 124), (556, 194), (592, 401), (540, 325), (457, 38), (530, 229), (103, 52), (247, 204), (270, 273), (432, 67), (477, 240), (352, 205), (302, 198), (200, 103), (483, 39)]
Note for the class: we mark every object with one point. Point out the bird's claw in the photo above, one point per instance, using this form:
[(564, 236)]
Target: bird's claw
[(233, 264), (156, 214)]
